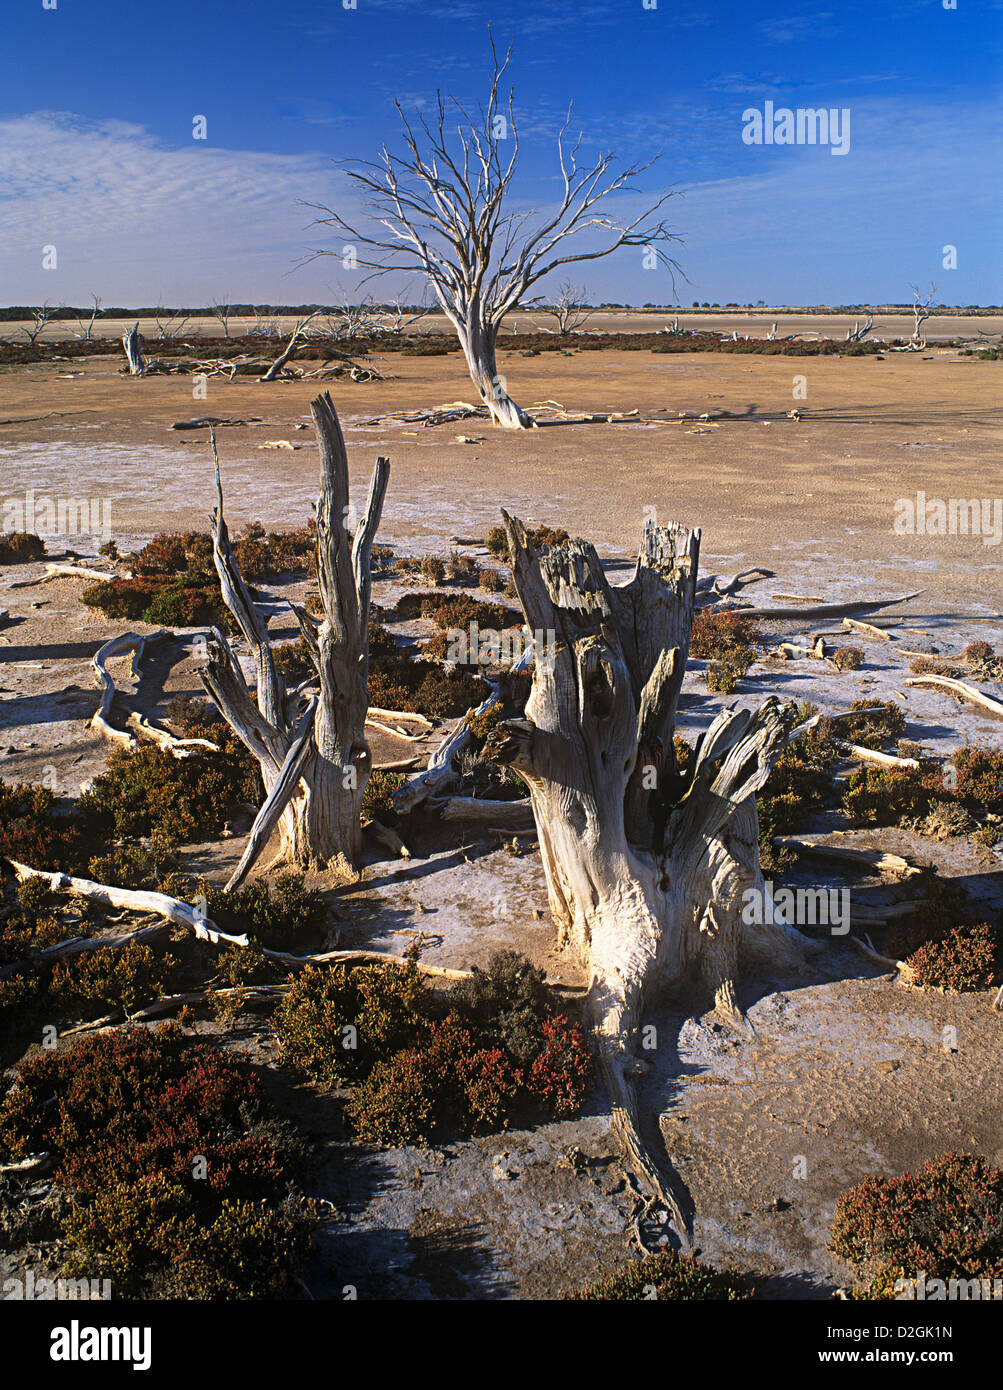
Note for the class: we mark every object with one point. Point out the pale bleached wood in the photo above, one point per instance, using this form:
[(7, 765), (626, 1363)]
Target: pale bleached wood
[(960, 688)]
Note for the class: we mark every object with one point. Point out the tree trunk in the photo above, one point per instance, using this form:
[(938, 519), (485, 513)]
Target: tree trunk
[(133, 345), (645, 867), (478, 343), (319, 823)]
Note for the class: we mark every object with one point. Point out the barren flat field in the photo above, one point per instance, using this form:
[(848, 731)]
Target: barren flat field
[(714, 446)]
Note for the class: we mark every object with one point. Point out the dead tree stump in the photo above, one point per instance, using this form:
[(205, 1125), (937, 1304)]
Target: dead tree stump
[(645, 867), (314, 757)]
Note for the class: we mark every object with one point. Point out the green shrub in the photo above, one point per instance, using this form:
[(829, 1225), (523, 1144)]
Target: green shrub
[(886, 723), (946, 1221), (800, 780), (886, 795), (665, 1277), (433, 569), (724, 673), (276, 913), (507, 1003), (123, 979), (336, 1023), (423, 687), (979, 781)]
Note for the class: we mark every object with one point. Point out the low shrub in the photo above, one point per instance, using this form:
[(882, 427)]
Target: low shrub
[(724, 673), (123, 978), (962, 958), (178, 1171), (378, 798), (276, 913), (946, 1221), (716, 634), (800, 780), (423, 687), (433, 569), (20, 548), (887, 722), (887, 795), (979, 776), (497, 539), (848, 658), (491, 581), (335, 1024), (665, 1277)]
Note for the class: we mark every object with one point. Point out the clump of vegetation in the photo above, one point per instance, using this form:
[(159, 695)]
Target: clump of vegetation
[(336, 1023), (276, 913), (724, 674), (887, 795), (497, 539), (887, 722), (667, 1277), (433, 569), (462, 569), (423, 687), (960, 959), (178, 1171), (800, 780), (20, 548), (426, 1068), (491, 581), (456, 611), (716, 634), (978, 653), (979, 777), (946, 1220), (848, 659), (104, 980), (186, 600), (378, 798)]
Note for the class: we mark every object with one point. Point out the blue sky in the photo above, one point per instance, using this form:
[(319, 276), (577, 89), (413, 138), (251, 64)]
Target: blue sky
[(97, 99)]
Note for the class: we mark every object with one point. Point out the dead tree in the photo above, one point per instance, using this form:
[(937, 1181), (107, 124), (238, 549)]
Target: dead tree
[(87, 329), (859, 331), (222, 311), (294, 340), (133, 345), (399, 316), (568, 307), (171, 327), (921, 311), (315, 761), (645, 867), (442, 207), (40, 317)]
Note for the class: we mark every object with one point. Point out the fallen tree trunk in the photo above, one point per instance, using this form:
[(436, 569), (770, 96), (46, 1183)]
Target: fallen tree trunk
[(826, 610), (646, 869), (125, 642), (477, 810), (185, 915), (961, 689)]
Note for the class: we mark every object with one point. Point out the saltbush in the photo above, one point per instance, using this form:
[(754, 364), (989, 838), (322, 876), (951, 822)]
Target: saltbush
[(20, 548), (665, 1277), (946, 1221), (715, 635), (129, 1117), (962, 958)]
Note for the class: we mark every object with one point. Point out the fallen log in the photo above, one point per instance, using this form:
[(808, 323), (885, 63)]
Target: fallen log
[(180, 747), (126, 641), (185, 915), (961, 689), (204, 421), (825, 610), (477, 810), (881, 860), (53, 570), (871, 755), (867, 629)]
